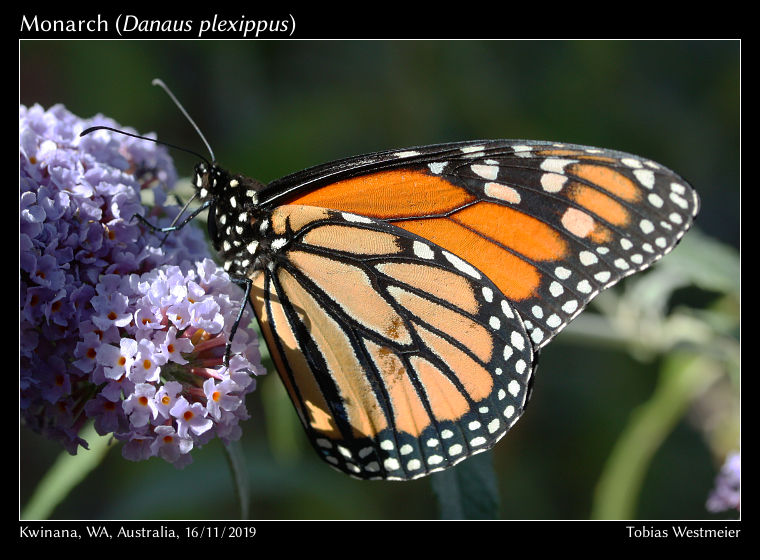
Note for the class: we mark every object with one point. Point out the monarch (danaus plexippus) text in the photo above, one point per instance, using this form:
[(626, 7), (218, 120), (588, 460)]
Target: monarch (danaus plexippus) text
[(404, 295)]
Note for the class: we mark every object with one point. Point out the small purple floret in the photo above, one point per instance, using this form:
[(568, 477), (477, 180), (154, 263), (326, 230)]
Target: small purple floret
[(116, 326)]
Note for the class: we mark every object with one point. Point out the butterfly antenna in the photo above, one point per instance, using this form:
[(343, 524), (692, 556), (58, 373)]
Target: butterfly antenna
[(162, 85), (87, 131)]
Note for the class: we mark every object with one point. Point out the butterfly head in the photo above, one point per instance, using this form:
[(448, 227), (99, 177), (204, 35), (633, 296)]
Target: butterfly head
[(214, 183), (209, 180)]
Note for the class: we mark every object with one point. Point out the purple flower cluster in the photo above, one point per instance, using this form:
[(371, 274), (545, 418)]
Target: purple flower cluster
[(115, 326), (727, 492)]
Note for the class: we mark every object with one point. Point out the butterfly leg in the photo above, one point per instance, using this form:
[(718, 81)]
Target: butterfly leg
[(246, 284), (174, 227)]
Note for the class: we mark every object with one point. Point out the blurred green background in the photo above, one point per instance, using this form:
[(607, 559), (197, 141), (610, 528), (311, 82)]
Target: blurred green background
[(270, 108)]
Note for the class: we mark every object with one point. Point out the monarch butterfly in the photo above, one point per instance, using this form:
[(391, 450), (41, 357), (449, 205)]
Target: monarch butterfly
[(404, 295)]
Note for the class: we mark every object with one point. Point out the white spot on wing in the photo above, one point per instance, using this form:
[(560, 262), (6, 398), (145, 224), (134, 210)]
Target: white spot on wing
[(502, 192), (472, 149), (552, 182), (391, 464), (584, 287), (356, 218), (461, 265), (570, 306), (603, 276), (489, 172), (646, 226), (413, 465), (645, 177), (517, 340), (437, 167), (422, 250), (406, 154), (522, 150), (556, 165), (588, 258), (513, 388), (279, 243), (679, 200), (562, 273), (556, 289)]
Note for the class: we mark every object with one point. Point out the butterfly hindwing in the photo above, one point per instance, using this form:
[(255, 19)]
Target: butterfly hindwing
[(400, 357), (550, 224)]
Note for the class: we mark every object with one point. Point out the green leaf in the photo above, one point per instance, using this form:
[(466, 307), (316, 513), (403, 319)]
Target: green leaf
[(706, 262), (67, 471), (469, 490), (683, 377)]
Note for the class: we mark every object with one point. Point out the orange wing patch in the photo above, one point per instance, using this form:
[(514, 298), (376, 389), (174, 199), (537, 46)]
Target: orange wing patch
[(608, 179), (400, 193), (444, 284), (445, 399), (352, 290), (365, 414), (473, 335), (409, 413), (515, 230), (516, 278), (314, 411), (352, 240), (294, 216), (467, 233), (477, 380), (599, 203)]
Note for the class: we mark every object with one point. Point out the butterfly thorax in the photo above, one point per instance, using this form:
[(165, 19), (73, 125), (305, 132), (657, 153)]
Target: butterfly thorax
[(235, 217)]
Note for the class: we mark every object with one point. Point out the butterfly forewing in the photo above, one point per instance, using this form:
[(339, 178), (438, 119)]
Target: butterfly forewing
[(551, 225), (400, 357)]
